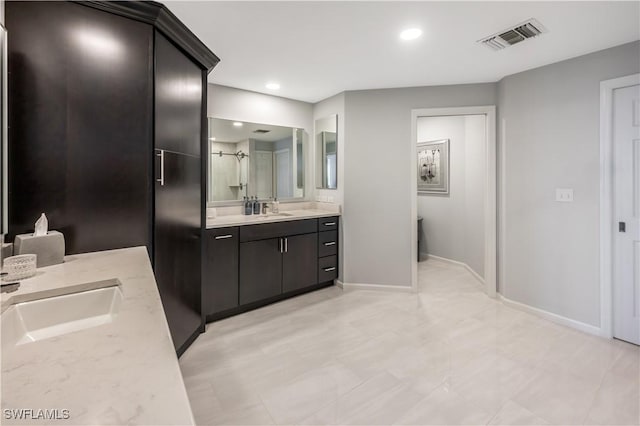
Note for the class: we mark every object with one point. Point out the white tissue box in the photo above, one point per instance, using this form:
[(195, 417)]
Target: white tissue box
[(49, 248)]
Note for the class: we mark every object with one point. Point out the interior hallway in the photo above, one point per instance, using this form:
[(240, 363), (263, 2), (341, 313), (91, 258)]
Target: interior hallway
[(447, 355)]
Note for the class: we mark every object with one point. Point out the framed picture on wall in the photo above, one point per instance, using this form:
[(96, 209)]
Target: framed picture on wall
[(433, 167)]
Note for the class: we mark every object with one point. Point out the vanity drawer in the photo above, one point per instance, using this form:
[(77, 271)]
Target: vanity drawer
[(327, 268), (328, 223), (327, 243), (277, 229)]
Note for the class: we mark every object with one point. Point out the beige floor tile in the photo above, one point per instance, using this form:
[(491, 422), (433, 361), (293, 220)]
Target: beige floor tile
[(297, 400), (617, 402), (444, 406), (445, 355), (512, 414), (561, 398), (355, 401)]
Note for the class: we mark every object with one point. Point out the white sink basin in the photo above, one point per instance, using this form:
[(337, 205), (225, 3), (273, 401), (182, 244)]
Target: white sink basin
[(44, 318), (278, 214)]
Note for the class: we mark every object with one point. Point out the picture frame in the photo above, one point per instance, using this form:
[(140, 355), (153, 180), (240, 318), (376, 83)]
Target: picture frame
[(432, 161)]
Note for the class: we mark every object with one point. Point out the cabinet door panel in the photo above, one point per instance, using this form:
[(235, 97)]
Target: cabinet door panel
[(260, 270), (177, 248), (177, 77), (300, 262), (220, 280)]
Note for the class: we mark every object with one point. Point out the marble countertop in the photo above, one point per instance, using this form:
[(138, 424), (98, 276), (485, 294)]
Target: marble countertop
[(287, 212), (123, 372)]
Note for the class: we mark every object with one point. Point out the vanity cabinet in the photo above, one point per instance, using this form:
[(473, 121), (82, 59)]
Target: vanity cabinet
[(220, 289), (260, 270), (253, 265), (299, 262), (328, 249), (273, 266)]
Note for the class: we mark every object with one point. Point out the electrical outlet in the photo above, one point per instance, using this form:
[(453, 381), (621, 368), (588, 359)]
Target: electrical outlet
[(564, 195)]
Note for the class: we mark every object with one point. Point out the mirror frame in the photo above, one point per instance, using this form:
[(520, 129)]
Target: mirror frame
[(318, 163)]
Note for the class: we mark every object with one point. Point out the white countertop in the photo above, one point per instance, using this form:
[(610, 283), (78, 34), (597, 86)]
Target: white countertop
[(123, 372), (287, 212)]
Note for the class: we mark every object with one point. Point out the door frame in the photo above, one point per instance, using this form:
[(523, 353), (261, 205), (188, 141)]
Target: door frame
[(606, 198), (490, 196)]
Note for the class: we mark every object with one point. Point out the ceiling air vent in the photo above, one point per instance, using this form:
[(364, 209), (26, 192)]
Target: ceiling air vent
[(261, 131), (516, 34)]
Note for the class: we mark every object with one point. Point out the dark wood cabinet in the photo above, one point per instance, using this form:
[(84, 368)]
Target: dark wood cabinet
[(300, 262), (260, 270), (96, 88), (220, 291), (328, 242), (80, 124), (264, 263)]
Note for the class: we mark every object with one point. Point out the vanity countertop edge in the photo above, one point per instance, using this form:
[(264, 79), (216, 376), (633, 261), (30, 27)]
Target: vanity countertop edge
[(241, 220), (123, 372)]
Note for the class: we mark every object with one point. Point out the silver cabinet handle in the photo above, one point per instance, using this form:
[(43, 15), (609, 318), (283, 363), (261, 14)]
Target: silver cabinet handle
[(329, 223), (333, 268), (161, 155), (330, 243), (286, 245), (280, 244), (224, 237)]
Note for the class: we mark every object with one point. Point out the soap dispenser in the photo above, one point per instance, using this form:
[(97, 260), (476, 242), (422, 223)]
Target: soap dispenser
[(276, 205), (256, 206), (248, 208)]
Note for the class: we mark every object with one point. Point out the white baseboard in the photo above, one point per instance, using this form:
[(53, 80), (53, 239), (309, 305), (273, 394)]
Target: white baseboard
[(558, 319), (455, 262), (374, 287)]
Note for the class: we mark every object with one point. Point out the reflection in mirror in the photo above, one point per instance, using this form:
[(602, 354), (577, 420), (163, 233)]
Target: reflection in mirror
[(326, 137), (251, 159)]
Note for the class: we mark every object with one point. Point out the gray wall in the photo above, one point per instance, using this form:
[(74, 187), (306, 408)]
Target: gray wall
[(377, 194), (453, 224), (550, 117), (242, 105)]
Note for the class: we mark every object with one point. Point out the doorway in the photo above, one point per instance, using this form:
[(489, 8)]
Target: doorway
[(438, 141), (620, 226)]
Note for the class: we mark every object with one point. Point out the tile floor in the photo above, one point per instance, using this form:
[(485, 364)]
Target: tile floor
[(445, 356)]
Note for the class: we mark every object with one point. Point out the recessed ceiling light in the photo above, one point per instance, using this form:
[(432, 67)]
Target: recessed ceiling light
[(273, 86), (237, 124), (411, 34)]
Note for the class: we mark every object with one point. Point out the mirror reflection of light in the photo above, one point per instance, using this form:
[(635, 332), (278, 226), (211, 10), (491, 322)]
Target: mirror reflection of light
[(98, 43), (237, 124)]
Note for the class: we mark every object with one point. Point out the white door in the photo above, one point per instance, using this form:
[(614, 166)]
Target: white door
[(626, 192), (264, 174), (284, 180)]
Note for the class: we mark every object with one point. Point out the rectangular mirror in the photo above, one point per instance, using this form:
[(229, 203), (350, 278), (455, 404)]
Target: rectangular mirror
[(326, 140), (252, 159)]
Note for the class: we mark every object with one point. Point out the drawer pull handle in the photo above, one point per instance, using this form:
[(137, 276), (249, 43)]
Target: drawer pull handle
[(330, 243), (329, 223), (224, 237), (333, 268)]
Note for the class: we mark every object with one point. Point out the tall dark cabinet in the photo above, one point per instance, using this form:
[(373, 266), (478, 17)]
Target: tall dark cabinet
[(107, 116)]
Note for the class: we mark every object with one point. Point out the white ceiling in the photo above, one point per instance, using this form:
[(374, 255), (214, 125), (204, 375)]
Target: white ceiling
[(317, 49)]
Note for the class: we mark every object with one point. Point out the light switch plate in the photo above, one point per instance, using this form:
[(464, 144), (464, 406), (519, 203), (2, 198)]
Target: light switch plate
[(564, 195)]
